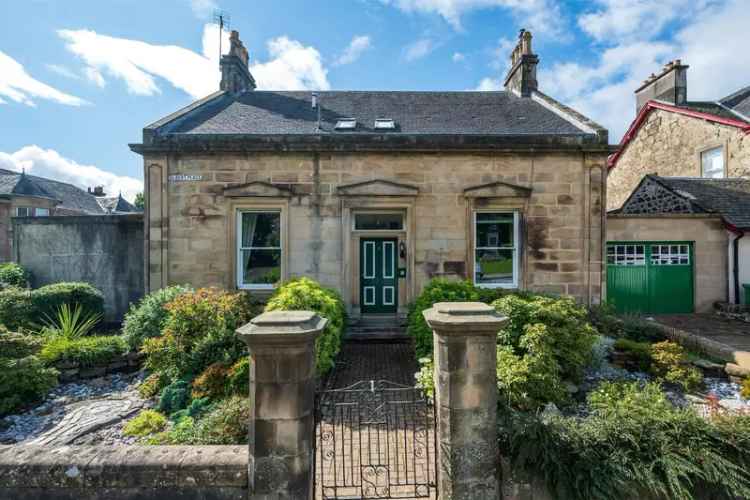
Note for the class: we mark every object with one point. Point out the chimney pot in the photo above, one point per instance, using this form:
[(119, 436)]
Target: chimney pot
[(235, 75), (522, 75), (669, 85)]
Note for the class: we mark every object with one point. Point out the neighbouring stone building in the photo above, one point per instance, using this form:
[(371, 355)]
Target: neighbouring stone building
[(678, 200), (374, 193)]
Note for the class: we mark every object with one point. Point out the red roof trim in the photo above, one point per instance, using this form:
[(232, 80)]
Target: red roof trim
[(651, 105)]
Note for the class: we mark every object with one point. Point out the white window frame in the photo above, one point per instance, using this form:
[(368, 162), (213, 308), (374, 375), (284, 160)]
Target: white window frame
[(383, 212), (45, 212), (516, 241), (29, 211), (239, 248), (723, 162)]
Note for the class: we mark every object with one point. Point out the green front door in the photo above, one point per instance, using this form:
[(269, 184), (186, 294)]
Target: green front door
[(650, 277), (378, 275)]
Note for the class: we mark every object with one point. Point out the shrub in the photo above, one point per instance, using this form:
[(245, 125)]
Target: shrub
[(239, 377), (226, 423), (195, 409), (437, 290), (304, 294), (629, 326), (25, 309), (85, 351), (174, 397), (70, 322), (634, 444), (425, 376), (146, 319), (151, 386), (745, 390), (199, 331), (23, 381), (146, 422), (13, 275), (635, 355), (17, 345), (671, 364), (561, 323), (183, 432), (213, 383)]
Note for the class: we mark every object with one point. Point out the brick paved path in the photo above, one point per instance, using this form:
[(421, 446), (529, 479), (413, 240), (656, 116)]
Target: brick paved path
[(376, 439)]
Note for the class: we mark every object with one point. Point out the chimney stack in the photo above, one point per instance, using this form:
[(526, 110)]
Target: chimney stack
[(235, 75), (670, 86), (522, 75), (97, 191)]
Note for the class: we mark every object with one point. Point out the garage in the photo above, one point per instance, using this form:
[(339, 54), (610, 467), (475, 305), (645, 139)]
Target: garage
[(650, 277)]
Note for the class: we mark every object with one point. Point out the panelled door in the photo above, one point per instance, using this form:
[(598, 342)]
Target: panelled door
[(650, 277), (378, 263)]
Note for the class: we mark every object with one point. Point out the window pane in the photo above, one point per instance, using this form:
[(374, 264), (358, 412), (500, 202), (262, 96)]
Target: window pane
[(261, 267), (494, 267), (261, 229), (494, 230), (42, 212), (379, 222), (713, 163)]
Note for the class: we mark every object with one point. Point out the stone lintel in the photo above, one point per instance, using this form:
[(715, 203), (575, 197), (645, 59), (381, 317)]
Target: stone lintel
[(282, 328), (464, 318)]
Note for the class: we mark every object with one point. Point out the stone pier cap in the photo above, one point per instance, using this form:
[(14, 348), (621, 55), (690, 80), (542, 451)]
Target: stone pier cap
[(283, 327), (464, 318)]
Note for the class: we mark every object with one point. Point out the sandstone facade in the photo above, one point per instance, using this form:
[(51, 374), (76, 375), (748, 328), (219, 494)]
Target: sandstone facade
[(191, 219), (670, 144)]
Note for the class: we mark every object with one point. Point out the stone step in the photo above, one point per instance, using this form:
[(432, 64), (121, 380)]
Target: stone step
[(363, 333)]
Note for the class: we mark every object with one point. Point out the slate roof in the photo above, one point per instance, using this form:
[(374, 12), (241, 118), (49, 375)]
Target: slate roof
[(115, 204), (69, 196), (290, 114), (739, 102), (729, 198)]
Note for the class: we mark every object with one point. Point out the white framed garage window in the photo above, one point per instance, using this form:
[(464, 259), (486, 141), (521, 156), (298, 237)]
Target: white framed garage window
[(670, 255), (626, 255)]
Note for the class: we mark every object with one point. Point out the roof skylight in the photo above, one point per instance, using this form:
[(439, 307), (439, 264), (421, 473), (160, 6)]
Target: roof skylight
[(385, 123), (346, 124)]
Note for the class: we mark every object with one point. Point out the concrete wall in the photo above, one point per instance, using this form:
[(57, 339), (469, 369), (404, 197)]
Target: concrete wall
[(188, 223), (8, 211), (669, 144), (5, 237), (709, 238), (106, 251)]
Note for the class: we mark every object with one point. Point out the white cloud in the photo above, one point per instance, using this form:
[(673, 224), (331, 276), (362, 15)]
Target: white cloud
[(62, 71), (292, 67), (137, 63), (488, 84), (203, 8), (94, 76), (418, 49), (356, 47), (633, 19), (49, 163), (17, 85), (458, 57), (541, 15)]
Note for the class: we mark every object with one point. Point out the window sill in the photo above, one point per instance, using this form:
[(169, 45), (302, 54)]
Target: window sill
[(509, 286)]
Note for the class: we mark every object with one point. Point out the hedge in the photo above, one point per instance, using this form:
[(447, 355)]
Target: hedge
[(85, 351), (13, 275), (25, 309)]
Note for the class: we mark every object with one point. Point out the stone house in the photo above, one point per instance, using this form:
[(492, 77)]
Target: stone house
[(24, 195), (667, 189), (374, 193)]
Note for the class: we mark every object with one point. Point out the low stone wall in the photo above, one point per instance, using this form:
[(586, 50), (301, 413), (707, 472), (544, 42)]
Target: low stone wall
[(124, 472), (73, 371)]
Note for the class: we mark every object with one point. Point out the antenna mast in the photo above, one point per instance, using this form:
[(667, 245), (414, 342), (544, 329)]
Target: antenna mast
[(221, 18)]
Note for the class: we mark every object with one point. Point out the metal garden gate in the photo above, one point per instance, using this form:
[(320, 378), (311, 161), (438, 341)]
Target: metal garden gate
[(374, 439), (650, 277)]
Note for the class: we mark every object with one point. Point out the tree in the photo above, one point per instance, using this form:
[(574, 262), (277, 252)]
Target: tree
[(140, 201)]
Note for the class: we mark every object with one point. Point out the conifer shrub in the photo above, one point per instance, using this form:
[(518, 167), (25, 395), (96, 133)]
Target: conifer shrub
[(23, 381), (213, 382), (147, 318), (304, 294)]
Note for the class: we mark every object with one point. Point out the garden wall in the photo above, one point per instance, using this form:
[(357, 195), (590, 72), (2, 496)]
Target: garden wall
[(124, 472), (105, 251)]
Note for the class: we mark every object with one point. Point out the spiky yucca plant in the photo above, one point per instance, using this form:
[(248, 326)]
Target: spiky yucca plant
[(70, 322)]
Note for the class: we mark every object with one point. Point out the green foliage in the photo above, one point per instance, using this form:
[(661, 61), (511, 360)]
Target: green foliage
[(23, 381), (224, 424), (86, 351), (195, 409), (634, 444), (437, 290), (13, 275), (634, 355), (304, 294), (183, 432), (174, 397), (147, 318), (199, 331), (24, 309), (425, 376), (631, 327), (151, 386), (239, 377), (213, 382), (146, 422), (745, 390), (70, 322), (671, 364), (17, 345), (139, 202)]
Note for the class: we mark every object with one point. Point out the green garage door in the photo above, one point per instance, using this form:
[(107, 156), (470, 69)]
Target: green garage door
[(650, 277)]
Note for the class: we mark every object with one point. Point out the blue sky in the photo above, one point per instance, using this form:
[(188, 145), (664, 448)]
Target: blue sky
[(79, 79)]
